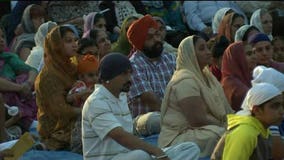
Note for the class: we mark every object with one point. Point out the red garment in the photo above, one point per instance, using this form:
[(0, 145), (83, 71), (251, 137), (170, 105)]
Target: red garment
[(216, 72), (235, 74)]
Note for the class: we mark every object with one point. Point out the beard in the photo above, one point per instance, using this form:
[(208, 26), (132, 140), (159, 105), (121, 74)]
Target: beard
[(126, 87), (155, 51)]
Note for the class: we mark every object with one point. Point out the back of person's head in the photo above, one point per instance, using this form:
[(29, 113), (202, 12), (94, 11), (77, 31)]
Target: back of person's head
[(218, 45), (138, 31), (85, 43), (268, 75), (258, 95), (112, 65)]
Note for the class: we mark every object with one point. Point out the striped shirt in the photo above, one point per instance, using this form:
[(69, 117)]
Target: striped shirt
[(149, 76), (101, 113)]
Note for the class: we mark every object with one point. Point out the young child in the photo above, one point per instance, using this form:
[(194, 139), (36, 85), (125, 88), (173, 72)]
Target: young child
[(247, 135), (87, 76)]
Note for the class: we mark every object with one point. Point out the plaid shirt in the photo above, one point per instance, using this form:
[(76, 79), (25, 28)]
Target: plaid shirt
[(149, 76)]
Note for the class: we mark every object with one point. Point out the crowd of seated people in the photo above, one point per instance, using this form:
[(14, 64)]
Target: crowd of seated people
[(190, 73)]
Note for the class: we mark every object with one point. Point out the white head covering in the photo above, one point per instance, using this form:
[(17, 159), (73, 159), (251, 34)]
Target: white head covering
[(241, 32), (257, 95), (219, 15), (268, 75), (36, 54), (256, 21)]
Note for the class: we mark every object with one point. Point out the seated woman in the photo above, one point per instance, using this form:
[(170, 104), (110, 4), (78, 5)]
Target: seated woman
[(237, 66), (36, 55), (263, 21), (244, 32), (56, 117), (93, 20), (230, 24), (102, 42), (33, 17), (16, 85), (194, 107)]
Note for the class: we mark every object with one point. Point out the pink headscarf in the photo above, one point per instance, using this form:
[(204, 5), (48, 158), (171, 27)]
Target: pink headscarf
[(88, 23)]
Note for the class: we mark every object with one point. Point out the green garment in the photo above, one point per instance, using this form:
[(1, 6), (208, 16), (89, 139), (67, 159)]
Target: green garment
[(241, 142), (13, 65), (122, 45)]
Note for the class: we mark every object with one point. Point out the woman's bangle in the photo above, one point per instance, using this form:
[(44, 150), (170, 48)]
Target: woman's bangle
[(160, 157)]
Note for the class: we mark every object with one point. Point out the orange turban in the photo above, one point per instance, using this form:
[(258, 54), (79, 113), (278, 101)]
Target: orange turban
[(138, 30), (88, 63)]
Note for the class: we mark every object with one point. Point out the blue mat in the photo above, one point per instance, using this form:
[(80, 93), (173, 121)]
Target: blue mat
[(50, 155)]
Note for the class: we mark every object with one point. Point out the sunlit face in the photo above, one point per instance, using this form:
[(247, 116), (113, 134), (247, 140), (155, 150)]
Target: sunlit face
[(100, 24), (264, 52), (266, 21), (103, 43), (2, 41), (203, 54), (236, 24), (70, 45), (272, 112), (250, 57), (37, 21)]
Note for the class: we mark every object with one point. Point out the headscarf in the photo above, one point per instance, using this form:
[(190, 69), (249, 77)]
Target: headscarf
[(187, 67), (29, 31), (268, 75), (122, 45), (257, 95), (235, 74), (36, 55), (225, 26), (255, 20), (54, 55), (218, 18), (89, 23), (138, 30), (240, 33)]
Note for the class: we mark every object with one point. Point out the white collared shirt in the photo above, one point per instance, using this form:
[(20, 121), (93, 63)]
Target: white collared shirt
[(101, 113)]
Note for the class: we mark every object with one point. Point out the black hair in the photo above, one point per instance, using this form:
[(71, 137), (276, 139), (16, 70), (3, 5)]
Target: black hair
[(85, 42), (64, 29), (219, 46), (245, 37)]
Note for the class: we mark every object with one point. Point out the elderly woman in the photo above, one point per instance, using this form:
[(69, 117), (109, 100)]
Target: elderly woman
[(262, 20), (36, 55), (55, 116), (194, 107), (33, 17)]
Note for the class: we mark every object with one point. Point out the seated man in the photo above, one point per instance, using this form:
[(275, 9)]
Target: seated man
[(152, 70), (107, 123)]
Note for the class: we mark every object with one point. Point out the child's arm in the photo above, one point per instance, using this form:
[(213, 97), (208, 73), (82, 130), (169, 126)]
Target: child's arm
[(71, 98)]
